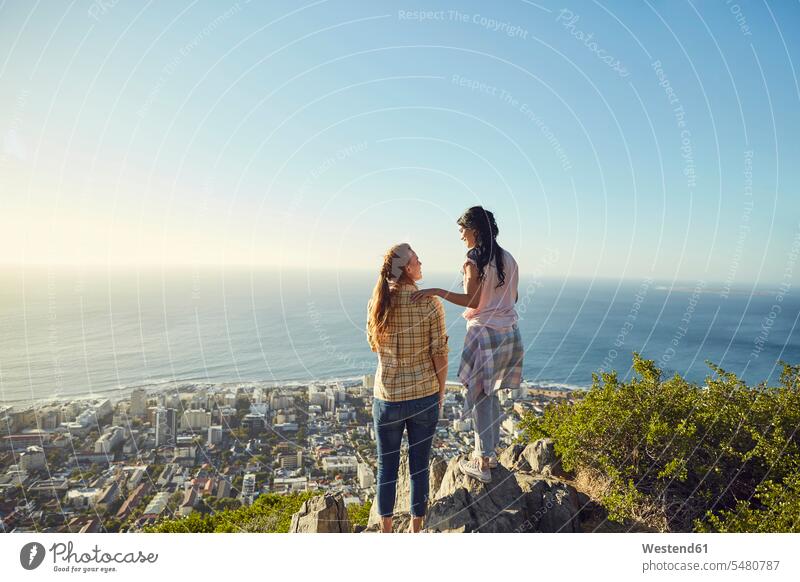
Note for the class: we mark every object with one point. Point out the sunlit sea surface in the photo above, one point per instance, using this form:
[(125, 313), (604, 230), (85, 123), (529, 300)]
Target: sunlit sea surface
[(68, 332)]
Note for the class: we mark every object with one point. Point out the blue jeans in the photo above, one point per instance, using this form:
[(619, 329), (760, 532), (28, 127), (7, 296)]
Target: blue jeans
[(419, 417), (487, 418)]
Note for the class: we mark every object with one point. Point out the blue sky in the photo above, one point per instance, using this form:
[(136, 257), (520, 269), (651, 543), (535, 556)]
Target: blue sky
[(611, 139)]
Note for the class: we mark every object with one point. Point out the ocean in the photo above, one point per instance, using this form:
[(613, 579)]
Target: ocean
[(70, 332)]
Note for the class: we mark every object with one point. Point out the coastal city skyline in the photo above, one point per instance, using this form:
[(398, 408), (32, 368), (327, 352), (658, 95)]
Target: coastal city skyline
[(203, 447)]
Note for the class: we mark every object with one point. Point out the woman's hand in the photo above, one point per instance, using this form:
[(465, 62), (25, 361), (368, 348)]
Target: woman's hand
[(424, 293)]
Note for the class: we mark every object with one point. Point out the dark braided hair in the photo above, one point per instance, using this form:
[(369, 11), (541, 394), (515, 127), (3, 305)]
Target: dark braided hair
[(486, 247)]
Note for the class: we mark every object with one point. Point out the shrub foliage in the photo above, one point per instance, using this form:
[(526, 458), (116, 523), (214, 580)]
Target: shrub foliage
[(718, 457), (269, 513)]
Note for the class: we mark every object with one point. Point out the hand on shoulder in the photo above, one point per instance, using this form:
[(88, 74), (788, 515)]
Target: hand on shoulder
[(425, 294)]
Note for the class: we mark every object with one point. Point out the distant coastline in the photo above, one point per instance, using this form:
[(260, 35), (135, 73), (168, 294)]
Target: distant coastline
[(123, 393)]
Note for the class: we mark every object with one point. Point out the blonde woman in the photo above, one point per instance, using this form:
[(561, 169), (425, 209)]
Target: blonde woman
[(493, 351), (411, 342)]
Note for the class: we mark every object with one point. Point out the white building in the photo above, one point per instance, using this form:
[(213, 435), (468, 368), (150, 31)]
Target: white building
[(136, 477), (200, 399), (367, 384), (286, 427), (278, 401), (248, 488), (214, 434), (109, 439), (138, 403), (284, 416), (517, 393), (334, 395), (76, 428), (70, 411), (340, 464), (83, 496), (291, 460), (462, 425), (158, 503), (366, 478), (195, 419), (87, 418), (32, 458), (167, 473), (258, 396), (166, 426), (261, 409), (13, 477), (316, 396), (48, 417), (289, 484), (226, 414), (103, 408)]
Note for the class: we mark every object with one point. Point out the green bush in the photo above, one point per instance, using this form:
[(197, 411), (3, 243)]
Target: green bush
[(779, 511), (719, 457), (358, 514), (270, 513)]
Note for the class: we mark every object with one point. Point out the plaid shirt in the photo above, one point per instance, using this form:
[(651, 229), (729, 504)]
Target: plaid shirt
[(415, 332), (491, 360)]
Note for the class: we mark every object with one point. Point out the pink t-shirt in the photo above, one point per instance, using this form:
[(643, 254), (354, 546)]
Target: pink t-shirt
[(496, 308)]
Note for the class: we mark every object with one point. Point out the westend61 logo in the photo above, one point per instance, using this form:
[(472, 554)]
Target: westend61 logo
[(65, 559), (31, 555)]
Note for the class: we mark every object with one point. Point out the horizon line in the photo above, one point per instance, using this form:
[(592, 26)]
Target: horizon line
[(133, 267)]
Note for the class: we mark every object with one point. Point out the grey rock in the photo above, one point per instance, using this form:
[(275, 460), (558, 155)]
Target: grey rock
[(464, 504), (402, 503), (541, 457), (401, 522), (512, 458), (514, 501), (323, 514), (560, 510)]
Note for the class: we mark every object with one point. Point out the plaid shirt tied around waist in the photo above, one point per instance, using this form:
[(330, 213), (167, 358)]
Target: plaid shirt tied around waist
[(491, 360)]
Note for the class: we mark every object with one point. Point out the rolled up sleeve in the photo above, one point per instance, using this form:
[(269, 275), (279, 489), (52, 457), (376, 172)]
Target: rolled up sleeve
[(438, 329)]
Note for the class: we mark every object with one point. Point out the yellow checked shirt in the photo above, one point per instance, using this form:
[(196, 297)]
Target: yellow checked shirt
[(415, 332)]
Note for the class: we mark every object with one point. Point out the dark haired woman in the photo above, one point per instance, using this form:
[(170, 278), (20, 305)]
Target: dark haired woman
[(411, 342), (493, 351)]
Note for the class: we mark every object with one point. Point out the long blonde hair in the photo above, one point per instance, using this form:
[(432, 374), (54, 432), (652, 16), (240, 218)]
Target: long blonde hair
[(380, 303)]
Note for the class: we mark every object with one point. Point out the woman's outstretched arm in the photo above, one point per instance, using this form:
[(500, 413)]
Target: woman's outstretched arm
[(472, 285), (439, 346)]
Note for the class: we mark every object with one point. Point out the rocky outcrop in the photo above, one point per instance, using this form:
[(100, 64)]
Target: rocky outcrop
[(402, 504), (537, 457), (324, 514), (526, 495), (518, 499)]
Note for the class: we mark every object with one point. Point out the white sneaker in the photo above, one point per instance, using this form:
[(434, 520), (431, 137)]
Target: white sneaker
[(472, 468), (492, 459)]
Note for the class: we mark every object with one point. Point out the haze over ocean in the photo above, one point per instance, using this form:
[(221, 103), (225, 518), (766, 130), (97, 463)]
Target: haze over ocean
[(69, 333)]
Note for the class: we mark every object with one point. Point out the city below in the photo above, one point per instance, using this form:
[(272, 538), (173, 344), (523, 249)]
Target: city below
[(93, 465)]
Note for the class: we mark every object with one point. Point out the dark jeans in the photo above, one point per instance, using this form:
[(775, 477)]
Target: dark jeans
[(419, 417)]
